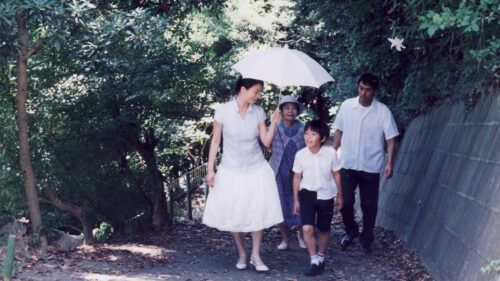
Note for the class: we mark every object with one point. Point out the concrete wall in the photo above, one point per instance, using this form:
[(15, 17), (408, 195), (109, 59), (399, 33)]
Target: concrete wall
[(444, 198)]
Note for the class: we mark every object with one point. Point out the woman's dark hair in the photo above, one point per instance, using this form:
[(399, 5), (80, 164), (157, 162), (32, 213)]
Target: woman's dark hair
[(319, 127), (283, 104), (246, 82), (370, 80)]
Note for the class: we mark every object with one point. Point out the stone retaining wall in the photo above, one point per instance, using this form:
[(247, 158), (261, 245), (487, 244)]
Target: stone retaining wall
[(444, 197)]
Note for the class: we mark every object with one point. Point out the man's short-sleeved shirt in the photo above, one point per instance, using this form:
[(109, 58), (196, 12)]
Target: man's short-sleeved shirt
[(241, 149), (364, 130), (317, 170)]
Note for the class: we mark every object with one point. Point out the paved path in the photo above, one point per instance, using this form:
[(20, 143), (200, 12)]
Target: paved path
[(191, 251)]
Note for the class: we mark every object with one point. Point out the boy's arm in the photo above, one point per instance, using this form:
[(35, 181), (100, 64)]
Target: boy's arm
[(297, 177), (336, 177)]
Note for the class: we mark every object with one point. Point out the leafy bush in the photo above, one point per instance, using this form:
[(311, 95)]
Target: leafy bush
[(493, 266), (104, 232), (451, 49)]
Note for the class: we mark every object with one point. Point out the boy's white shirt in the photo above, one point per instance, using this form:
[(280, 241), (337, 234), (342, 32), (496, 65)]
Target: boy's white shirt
[(317, 170)]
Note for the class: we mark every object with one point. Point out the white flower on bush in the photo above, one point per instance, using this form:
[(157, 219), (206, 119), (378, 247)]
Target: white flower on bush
[(396, 42), (333, 110)]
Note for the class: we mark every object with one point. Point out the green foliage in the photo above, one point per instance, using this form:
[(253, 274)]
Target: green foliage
[(117, 75), (104, 232), (451, 49), (3, 241), (34, 240), (12, 199), (492, 267), (468, 17), (475, 26)]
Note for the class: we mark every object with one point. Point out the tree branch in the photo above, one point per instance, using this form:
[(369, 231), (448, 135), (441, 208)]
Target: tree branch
[(191, 154), (35, 47), (45, 200)]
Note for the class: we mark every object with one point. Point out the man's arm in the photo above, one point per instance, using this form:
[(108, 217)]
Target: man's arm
[(391, 148), (338, 182), (336, 139)]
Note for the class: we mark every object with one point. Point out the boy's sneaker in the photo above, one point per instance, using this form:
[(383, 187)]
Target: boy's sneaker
[(312, 270), (321, 267)]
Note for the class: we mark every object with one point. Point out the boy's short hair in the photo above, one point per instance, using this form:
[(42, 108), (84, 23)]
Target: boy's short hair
[(319, 127)]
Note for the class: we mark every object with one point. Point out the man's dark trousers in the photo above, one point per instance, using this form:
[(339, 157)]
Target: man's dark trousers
[(368, 192)]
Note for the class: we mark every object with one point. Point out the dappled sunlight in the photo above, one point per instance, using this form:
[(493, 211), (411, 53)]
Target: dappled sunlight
[(124, 277), (141, 249), (126, 251)]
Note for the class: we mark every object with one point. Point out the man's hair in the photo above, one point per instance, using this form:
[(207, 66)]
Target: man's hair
[(369, 79), (319, 127)]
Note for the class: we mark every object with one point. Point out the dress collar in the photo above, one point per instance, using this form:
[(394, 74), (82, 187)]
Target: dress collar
[(236, 107)]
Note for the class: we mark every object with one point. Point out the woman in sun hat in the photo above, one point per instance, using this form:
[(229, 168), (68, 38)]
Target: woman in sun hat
[(288, 139)]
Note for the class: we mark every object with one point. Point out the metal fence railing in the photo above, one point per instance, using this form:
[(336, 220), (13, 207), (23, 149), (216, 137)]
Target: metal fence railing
[(189, 183)]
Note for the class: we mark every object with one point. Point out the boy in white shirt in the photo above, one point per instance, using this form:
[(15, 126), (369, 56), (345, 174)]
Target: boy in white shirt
[(316, 182)]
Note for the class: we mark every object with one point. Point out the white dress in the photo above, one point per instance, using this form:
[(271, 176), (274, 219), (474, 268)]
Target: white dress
[(245, 196)]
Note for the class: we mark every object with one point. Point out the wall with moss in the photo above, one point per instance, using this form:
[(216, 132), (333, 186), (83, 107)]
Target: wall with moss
[(444, 198)]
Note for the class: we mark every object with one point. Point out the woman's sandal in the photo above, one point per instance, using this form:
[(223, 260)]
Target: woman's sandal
[(259, 268), (241, 266)]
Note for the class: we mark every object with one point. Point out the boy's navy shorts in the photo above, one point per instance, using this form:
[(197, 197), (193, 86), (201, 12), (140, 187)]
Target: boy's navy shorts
[(311, 207)]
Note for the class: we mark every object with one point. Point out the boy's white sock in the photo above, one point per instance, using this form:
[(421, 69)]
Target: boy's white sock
[(321, 257), (315, 260)]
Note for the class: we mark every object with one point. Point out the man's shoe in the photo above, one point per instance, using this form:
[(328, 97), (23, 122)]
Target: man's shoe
[(312, 270), (368, 249), (346, 242)]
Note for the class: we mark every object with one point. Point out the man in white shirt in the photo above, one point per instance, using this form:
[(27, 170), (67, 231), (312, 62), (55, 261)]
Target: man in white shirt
[(316, 182), (363, 123)]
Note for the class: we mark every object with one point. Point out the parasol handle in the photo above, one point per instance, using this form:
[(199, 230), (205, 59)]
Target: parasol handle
[(280, 96)]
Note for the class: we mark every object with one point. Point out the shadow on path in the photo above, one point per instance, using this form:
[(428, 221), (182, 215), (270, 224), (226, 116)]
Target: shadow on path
[(192, 251)]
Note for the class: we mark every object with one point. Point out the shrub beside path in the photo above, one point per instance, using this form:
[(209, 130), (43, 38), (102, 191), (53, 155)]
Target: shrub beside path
[(192, 251)]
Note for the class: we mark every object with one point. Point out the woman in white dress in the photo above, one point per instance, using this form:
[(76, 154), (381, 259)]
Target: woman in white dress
[(243, 195)]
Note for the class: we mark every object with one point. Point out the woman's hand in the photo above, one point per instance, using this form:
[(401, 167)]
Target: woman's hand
[(296, 207), (210, 178), (340, 202), (276, 117)]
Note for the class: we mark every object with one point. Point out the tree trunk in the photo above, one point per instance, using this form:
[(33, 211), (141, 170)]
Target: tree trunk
[(146, 151), (75, 211), (22, 125)]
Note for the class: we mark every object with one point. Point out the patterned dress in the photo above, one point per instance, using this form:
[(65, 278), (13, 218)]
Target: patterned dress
[(283, 178)]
